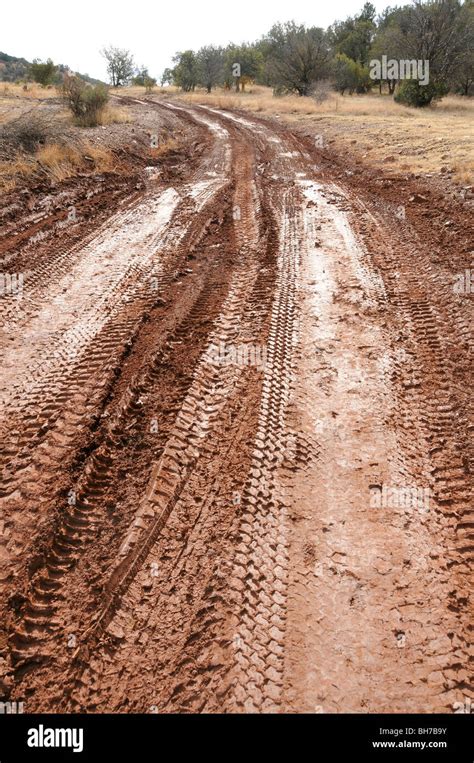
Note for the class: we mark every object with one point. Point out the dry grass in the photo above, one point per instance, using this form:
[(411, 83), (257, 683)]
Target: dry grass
[(170, 144), (58, 162), (374, 128), (54, 162), (103, 159), (60, 151), (140, 92), (112, 115), (12, 172), (33, 91), (14, 101)]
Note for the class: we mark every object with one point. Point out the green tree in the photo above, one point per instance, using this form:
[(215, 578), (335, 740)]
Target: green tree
[(387, 43), (167, 78), (353, 37), (210, 62), (186, 70), (462, 76), (43, 73), (437, 31), (349, 74), (120, 65), (297, 57), (243, 64), (143, 79)]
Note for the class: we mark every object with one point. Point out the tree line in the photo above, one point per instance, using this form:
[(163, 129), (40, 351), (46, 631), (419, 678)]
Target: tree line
[(294, 58), (304, 60)]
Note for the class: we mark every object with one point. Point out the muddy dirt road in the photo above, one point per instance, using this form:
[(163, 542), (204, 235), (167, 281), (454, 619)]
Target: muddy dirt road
[(237, 463)]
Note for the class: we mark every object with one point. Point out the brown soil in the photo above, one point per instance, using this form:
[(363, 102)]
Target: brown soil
[(183, 535)]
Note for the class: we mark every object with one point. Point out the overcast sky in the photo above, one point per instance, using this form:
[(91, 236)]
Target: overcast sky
[(73, 33)]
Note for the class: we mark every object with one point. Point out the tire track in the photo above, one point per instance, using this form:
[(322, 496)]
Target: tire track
[(217, 627)]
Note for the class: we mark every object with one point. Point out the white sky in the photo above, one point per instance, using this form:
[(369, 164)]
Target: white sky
[(73, 33)]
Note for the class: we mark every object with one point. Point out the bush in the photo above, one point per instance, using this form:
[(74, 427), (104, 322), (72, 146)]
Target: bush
[(349, 75), (85, 102), (27, 133), (95, 100), (43, 73), (411, 93), (143, 79), (321, 90)]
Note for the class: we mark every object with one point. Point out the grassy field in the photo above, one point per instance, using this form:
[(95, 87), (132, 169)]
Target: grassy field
[(33, 91)]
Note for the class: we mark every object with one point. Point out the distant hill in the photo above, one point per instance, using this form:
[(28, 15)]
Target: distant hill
[(13, 69)]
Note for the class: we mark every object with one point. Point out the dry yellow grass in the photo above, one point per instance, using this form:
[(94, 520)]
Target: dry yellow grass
[(54, 162), (58, 162), (12, 172), (140, 92), (12, 90), (112, 115), (103, 159), (374, 128), (14, 101), (170, 144)]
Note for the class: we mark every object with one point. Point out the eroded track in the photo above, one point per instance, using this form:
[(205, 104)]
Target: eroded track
[(201, 400)]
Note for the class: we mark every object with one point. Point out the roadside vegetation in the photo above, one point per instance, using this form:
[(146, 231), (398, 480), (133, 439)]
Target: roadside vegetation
[(38, 147), (322, 79), (295, 59)]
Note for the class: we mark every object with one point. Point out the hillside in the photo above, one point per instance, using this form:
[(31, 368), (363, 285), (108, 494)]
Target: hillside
[(13, 69)]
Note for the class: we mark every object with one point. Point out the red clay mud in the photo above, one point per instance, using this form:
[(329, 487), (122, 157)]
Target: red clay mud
[(210, 388)]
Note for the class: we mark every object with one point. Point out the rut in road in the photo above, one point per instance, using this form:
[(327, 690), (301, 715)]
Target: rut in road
[(257, 361)]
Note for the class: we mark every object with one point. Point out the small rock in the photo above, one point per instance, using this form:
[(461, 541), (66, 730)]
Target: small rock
[(116, 631)]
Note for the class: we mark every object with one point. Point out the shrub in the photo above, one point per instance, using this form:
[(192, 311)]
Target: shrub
[(95, 100), (349, 75), (321, 90), (27, 133), (86, 103), (143, 79), (43, 73), (411, 93)]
